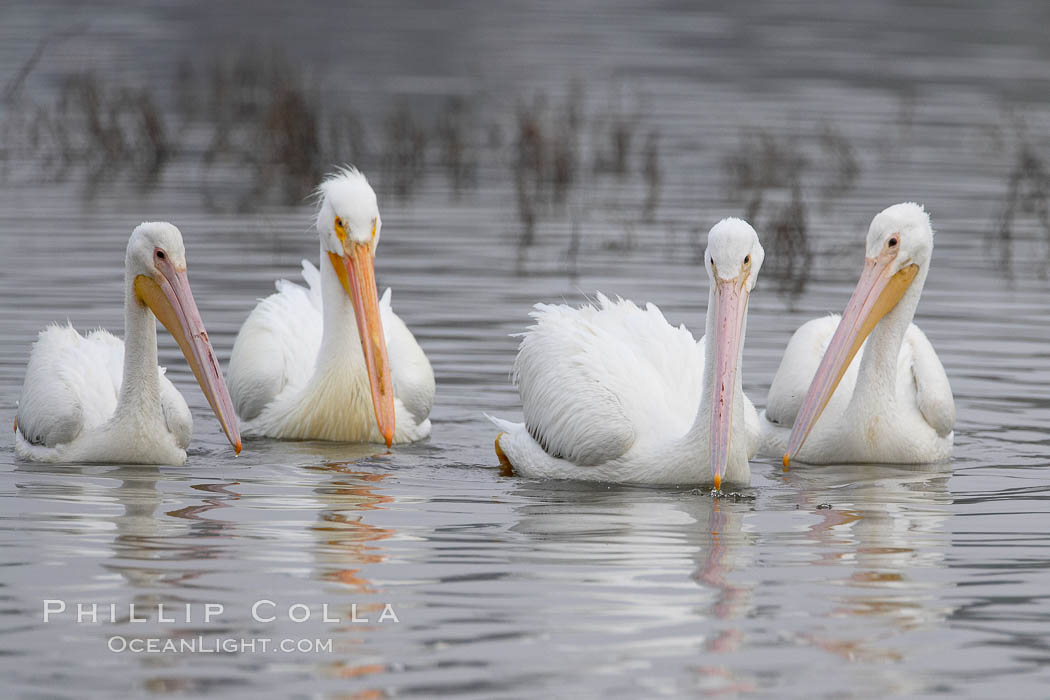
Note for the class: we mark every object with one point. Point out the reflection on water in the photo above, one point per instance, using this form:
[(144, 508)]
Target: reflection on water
[(874, 563), (346, 540), (678, 591), (721, 559), (527, 155), (889, 532)]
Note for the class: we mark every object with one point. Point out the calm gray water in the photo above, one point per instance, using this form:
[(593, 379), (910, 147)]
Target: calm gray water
[(915, 582)]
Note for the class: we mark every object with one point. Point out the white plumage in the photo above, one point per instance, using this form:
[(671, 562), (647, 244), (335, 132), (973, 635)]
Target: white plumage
[(283, 386), (299, 369), (893, 403), (72, 387), (613, 392), (88, 399)]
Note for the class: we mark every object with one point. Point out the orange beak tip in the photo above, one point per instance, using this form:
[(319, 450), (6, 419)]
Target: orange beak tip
[(787, 460), (718, 482), (237, 447)]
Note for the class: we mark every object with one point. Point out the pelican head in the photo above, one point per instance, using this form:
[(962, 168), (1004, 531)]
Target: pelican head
[(156, 264), (348, 224), (904, 231), (733, 259), (898, 247)]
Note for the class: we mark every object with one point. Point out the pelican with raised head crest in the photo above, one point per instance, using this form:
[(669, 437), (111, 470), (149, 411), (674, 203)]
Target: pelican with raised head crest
[(893, 403), (332, 361), (96, 398), (614, 393)]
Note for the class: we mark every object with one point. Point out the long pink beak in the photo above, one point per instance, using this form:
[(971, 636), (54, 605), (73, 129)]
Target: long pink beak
[(730, 311), (876, 294), (172, 303)]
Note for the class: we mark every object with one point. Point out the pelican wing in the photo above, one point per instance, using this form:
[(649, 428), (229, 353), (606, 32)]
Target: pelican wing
[(933, 393), (412, 374), (71, 384), (801, 358), (753, 426), (278, 344), (594, 380), (177, 416), (919, 370)]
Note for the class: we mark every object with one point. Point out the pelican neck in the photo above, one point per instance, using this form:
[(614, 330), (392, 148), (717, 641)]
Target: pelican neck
[(140, 383), (878, 364)]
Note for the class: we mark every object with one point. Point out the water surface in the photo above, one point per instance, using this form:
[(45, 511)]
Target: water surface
[(915, 581)]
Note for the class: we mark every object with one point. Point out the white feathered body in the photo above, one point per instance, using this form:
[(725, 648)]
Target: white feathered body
[(905, 416), (612, 392), (297, 370), (68, 411)]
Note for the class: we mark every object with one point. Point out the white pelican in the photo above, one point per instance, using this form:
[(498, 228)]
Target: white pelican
[(614, 393), (77, 404), (893, 405), (332, 361)]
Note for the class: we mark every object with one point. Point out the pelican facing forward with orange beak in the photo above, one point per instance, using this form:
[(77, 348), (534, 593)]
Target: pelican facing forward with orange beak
[(331, 361), (95, 398), (612, 392), (867, 386)]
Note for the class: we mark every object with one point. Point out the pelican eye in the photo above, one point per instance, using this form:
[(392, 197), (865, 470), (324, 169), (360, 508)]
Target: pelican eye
[(892, 242), (160, 255), (747, 259), (338, 223)]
